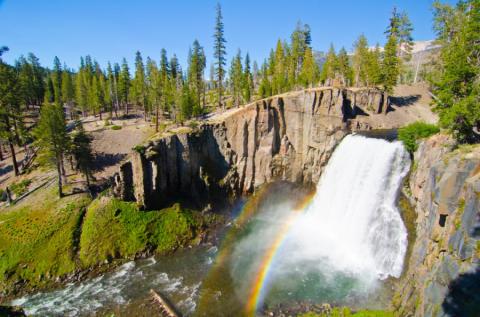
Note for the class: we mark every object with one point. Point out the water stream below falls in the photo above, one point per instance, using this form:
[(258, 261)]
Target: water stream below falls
[(287, 246)]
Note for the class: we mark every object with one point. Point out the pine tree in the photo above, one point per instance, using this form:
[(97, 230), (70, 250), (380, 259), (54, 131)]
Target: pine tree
[(219, 54), (344, 70), (68, 91), (373, 68), (138, 84), (175, 70), (81, 94), (37, 79), (9, 108), (236, 78), (49, 96), (329, 68), (390, 65), (111, 91), (81, 151), (247, 85), (455, 82), (57, 80), (360, 61), (309, 73), (265, 86), (165, 80), (279, 80), (196, 68), (186, 103), (154, 88), (52, 138), (124, 85), (25, 81)]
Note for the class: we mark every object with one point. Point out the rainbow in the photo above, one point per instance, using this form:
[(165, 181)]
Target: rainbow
[(261, 278)]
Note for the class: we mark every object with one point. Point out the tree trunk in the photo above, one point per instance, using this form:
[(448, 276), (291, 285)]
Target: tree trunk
[(156, 118), (14, 158), (15, 130), (62, 168), (1, 153), (116, 96), (59, 172)]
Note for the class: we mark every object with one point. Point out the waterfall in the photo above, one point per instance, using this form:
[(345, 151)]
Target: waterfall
[(353, 220)]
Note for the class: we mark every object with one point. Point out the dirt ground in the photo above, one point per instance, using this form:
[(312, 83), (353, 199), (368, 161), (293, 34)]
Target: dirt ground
[(109, 146)]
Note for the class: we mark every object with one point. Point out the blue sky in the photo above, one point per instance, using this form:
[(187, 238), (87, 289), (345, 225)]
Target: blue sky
[(112, 29)]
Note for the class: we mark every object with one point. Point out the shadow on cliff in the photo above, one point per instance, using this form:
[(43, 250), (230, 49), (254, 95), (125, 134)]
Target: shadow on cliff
[(194, 173), (104, 160), (463, 297)]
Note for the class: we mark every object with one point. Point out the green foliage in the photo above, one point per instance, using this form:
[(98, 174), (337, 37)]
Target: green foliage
[(21, 187), (415, 131), (219, 53), (116, 127), (196, 68), (52, 138), (310, 73), (329, 67), (114, 229), (390, 64), (139, 149), (455, 82), (37, 239), (236, 78), (82, 151)]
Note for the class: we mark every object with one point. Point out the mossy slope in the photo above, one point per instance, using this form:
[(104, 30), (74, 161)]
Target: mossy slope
[(37, 238), (117, 229), (43, 237)]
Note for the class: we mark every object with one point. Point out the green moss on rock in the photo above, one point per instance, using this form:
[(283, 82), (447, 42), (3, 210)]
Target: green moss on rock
[(118, 229)]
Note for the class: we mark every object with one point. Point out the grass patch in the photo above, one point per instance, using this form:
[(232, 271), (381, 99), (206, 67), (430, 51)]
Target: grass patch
[(116, 127), (37, 239), (118, 229), (346, 312), (413, 132), (21, 187)]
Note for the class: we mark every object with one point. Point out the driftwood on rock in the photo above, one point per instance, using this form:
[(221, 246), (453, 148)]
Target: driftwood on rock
[(166, 309)]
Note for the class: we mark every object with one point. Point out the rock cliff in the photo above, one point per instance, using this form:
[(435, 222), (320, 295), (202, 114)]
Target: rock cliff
[(288, 137), (444, 188)]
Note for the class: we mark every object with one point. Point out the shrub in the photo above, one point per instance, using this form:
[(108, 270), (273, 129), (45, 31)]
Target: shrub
[(116, 127), (139, 149), (21, 187), (411, 133)]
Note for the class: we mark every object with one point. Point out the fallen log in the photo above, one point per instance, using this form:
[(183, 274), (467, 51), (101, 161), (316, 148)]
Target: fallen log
[(166, 309)]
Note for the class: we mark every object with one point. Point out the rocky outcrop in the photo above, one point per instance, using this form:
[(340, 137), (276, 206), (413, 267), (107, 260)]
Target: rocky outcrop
[(444, 187), (287, 137)]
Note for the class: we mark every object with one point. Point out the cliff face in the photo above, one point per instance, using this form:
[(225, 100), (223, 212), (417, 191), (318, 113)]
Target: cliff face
[(288, 137), (445, 190)]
